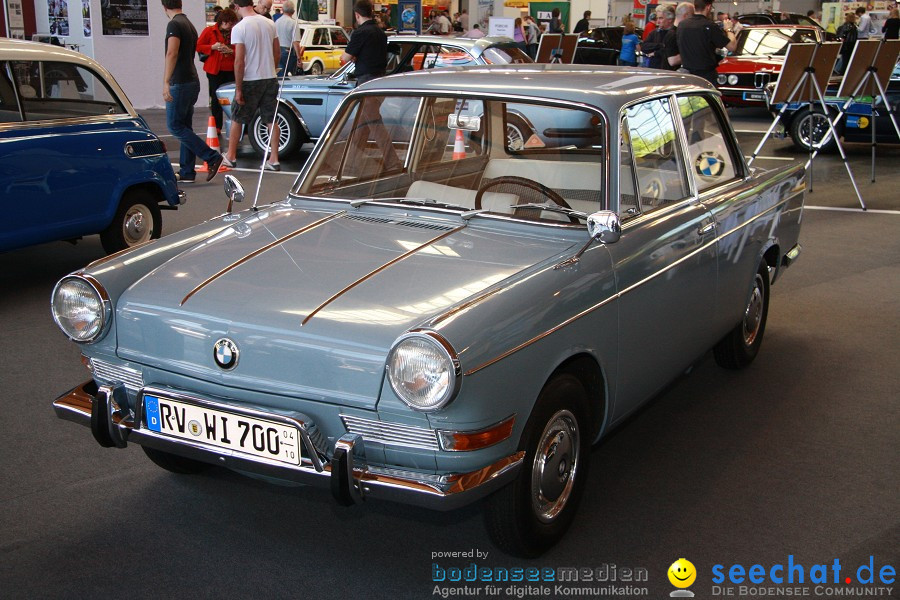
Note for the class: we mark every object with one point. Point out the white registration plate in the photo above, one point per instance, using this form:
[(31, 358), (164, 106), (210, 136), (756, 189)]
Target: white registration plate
[(754, 96), (241, 433)]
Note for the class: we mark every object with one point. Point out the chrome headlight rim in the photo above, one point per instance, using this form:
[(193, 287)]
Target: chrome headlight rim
[(105, 302), (449, 354), (722, 79)]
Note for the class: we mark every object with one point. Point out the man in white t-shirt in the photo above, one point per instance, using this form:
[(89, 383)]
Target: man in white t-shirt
[(446, 26), (256, 54)]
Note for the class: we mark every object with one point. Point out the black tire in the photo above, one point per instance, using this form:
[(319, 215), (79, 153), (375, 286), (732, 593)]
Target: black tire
[(290, 133), (175, 463), (820, 138), (738, 349), (316, 68), (137, 220), (531, 514)]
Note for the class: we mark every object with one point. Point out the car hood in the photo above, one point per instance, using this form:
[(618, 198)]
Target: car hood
[(750, 64), (291, 84), (313, 300)]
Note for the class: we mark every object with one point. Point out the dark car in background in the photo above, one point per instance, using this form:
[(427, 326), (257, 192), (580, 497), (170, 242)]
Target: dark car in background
[(757, 61), (601, 45), (792, 19)]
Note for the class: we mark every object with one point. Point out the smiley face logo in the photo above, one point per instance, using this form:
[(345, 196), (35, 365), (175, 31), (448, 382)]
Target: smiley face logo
[(682, 573)]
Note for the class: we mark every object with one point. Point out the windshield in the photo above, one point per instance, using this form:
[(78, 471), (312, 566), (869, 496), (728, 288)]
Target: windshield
[(771, 42), (464, 153)]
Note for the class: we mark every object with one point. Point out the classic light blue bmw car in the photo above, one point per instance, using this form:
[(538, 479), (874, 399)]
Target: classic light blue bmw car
[(434, 317), (306, 102), (75, 157)]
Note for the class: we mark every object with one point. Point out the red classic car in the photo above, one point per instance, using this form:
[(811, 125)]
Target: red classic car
[(757, 61)]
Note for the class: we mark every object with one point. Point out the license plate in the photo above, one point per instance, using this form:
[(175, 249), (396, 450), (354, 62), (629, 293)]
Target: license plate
[(754, 96), (241, 433)]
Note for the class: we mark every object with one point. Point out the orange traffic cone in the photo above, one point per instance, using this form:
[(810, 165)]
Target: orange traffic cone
[(212, 140), (459, 146)]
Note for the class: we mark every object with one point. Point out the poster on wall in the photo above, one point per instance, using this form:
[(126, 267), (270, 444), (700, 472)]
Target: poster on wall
[(15, 19), (410, 16), (125, 17), (86, 17), (501, 26), (58, 11), (542, 12), (323, 7), (485, 11)]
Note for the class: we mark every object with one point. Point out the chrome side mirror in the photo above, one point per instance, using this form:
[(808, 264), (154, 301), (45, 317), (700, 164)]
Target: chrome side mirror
[(604, 226), (234, 190)]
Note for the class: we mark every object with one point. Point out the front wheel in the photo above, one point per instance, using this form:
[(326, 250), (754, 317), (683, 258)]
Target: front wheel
[(810, 131), (288, 127), (316, 68), (137, 220), (741, 345), (533, 513)]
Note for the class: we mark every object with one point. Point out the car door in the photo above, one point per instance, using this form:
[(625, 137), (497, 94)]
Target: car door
[(665, 261), (338, 45), (58, 168)]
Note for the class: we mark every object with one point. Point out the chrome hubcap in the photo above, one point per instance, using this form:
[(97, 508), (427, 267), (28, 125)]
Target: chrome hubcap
[(814, 130), (514, 138), (137, 225), (555, 463), (262, 132), (753, 314)]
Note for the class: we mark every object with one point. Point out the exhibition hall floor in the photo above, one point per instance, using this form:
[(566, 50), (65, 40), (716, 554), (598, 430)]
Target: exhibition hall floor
[(795, 456)]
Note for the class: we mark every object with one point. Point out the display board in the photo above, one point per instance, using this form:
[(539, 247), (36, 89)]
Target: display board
[(799, 57), (862, 58), (550, 43), (125, 17)]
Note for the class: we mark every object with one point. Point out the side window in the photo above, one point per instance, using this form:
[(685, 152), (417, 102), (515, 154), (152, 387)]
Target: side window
[(712, 160), (9, 108), (59, 90), (650, 129), (628, 204), (338, 37), (321, 38)]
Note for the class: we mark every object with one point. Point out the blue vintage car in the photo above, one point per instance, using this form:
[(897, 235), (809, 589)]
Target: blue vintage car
[(75, 157), (435, 317), (306, 102)]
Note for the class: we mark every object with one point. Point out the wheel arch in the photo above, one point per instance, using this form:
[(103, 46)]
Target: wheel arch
[(585, 367)]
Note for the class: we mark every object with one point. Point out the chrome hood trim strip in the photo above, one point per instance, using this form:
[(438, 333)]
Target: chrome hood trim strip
[(379, 270), (256, 253)]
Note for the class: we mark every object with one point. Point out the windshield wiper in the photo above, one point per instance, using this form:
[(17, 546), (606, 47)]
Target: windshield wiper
[(414, 201), (553, 208)]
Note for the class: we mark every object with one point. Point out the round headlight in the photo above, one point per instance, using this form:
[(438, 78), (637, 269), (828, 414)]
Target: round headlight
[(81, 308), (732, 79), (423, 371), (721, 79)]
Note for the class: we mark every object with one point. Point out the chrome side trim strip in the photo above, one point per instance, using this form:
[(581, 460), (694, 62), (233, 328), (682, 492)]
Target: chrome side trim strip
[(379, 270), (630, 288), (256, 253)]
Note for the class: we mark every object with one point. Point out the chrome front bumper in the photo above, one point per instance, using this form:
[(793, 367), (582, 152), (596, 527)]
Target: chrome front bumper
[(345, 471)]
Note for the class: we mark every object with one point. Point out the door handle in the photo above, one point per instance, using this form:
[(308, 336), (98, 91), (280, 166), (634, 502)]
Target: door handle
[(708, 228)]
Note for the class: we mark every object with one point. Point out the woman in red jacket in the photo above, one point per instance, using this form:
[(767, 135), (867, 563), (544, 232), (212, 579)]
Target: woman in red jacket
[(215, 43)]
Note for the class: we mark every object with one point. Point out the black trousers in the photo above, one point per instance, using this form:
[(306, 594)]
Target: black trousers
[(215, 82)]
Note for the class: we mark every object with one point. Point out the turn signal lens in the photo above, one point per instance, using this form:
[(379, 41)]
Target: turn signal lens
[(462, 441)]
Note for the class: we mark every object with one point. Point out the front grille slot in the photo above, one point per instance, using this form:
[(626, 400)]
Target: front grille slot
[(392, 434), (108, 373), (760, 80)]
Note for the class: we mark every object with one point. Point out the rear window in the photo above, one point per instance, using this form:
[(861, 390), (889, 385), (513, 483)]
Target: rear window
[(772, 42), (60, 90)]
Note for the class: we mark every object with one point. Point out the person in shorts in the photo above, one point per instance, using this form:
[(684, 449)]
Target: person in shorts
[(256, 55)]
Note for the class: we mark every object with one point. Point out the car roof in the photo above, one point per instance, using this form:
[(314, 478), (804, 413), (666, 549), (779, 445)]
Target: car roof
[(11, 49), (488, 40), (781, 26), (607, 88)]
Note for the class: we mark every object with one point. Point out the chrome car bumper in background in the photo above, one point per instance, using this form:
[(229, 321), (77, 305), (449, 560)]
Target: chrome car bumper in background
[(351, 480)]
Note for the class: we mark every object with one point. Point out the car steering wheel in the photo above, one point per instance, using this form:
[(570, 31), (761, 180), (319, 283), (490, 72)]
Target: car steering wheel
[(526, 183)]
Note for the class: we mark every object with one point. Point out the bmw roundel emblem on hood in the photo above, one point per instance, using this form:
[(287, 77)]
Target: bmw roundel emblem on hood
[(225, 353)]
